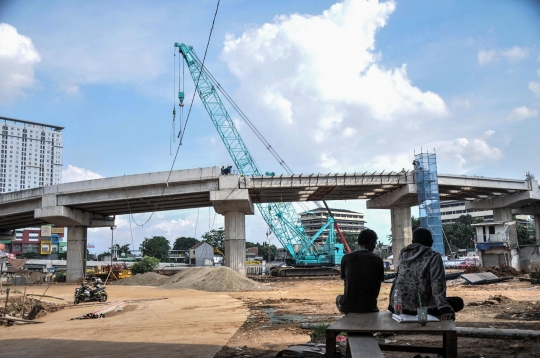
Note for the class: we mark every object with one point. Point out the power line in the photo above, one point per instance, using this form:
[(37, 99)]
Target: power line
[(187, 118)]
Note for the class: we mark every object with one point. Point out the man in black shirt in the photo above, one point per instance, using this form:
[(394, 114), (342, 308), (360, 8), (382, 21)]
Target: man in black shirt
[(362, 272)]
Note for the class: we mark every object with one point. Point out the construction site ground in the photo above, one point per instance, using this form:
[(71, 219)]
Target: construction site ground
[(191, 323)]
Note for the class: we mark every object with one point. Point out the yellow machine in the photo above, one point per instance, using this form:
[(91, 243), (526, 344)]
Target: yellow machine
[(117, 271)]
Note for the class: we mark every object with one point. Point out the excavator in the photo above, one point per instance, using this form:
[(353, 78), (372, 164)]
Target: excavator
[(307, 258)]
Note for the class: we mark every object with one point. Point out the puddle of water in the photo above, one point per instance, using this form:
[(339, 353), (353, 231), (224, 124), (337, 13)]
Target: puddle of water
[(292, 318)]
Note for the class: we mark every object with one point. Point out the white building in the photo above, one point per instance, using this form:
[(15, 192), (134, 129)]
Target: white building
[(349, 221), (31, 155), (453, 209)]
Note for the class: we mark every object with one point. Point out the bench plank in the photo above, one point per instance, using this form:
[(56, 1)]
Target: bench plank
[(361, 346)]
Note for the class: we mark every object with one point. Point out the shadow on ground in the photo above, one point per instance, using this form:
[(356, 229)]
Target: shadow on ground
[(45, 348)]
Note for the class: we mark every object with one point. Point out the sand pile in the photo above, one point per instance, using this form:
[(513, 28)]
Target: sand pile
[(213, 279), (145, 279)]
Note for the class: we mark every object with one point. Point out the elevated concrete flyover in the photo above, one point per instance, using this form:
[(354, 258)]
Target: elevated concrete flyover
[(95, 203)]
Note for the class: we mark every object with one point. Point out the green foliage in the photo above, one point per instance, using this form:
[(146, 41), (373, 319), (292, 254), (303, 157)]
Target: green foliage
[(216, 238), (102, 255), (185, 243), (31, 255), (157, 247), (352, 240), (268, 252), (319, 330), (124, 249), (415, 223), (147, 264), (460, 234), (525, 235)]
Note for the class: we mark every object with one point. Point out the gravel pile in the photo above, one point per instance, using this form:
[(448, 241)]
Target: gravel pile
[(145, 279), (212, 279)]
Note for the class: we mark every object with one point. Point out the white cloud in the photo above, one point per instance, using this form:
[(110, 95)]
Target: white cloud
[(461, 103), (485, 57), (321, 76), (513, 54), (73, 173), (18, 57), (521, 113), (70, 89), (535, 88), (465, 154)]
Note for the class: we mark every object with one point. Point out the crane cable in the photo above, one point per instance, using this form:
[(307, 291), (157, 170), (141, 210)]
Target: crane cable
[(252, 126), (181, 133), (185, 124), (259, 135)]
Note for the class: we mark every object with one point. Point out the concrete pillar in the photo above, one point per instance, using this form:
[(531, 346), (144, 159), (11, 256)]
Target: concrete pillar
[(401, 230), (537, 226), (235, 241), (502, 214), (76, 253)]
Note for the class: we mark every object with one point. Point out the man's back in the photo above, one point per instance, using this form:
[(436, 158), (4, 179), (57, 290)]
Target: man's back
[(363, 273), (421, 276)]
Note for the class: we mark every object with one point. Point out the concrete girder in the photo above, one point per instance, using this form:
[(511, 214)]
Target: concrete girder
[(63, 216), (406, 195), (512, 201)]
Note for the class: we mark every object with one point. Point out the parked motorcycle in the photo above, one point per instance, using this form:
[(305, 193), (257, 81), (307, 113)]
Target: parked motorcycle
[(86, 294)]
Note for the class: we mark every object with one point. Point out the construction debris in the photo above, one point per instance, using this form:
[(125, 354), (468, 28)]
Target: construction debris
[(18, 320), (103, 312), (483, 278), (499, 271), (32, 308)]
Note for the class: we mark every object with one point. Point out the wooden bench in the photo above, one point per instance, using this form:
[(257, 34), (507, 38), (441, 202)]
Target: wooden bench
[(358, 323), (360, 346)]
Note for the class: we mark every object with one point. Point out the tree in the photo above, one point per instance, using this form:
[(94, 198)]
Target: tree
[(146, 265), (525, 237), (185, 243), (268, 251), (215, 238), (124, 249), (31, 255), (415, 223), (157, 247), (352, 240), (102, 255), (460, 233)]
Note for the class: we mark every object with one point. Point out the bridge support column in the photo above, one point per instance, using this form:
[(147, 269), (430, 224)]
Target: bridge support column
[(537, 226), (235, 204), (76, 253), (401, 230), (235, 241)]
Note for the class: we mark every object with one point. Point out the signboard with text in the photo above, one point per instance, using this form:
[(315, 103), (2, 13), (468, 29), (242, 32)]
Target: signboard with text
[(45, 230)]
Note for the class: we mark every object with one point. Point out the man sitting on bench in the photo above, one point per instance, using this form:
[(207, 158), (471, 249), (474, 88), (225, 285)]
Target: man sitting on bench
[(363, 273), (421, 276)]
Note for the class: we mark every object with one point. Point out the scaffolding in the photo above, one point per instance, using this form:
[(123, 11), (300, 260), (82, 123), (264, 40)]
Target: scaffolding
[(429, 203)]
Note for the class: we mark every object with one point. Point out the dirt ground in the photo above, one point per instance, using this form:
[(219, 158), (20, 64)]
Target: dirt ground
[(191, 323)]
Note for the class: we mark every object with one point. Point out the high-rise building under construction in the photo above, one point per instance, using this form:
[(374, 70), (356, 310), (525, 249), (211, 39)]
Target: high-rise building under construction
[(31, 155)]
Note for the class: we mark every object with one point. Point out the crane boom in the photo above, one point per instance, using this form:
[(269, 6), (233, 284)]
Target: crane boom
[(281, 217)]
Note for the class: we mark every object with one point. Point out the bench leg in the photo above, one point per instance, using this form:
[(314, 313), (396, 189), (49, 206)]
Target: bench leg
[(330, 344), (450, 344)]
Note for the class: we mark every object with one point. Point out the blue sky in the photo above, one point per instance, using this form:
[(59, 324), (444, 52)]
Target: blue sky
[(334, 87)]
